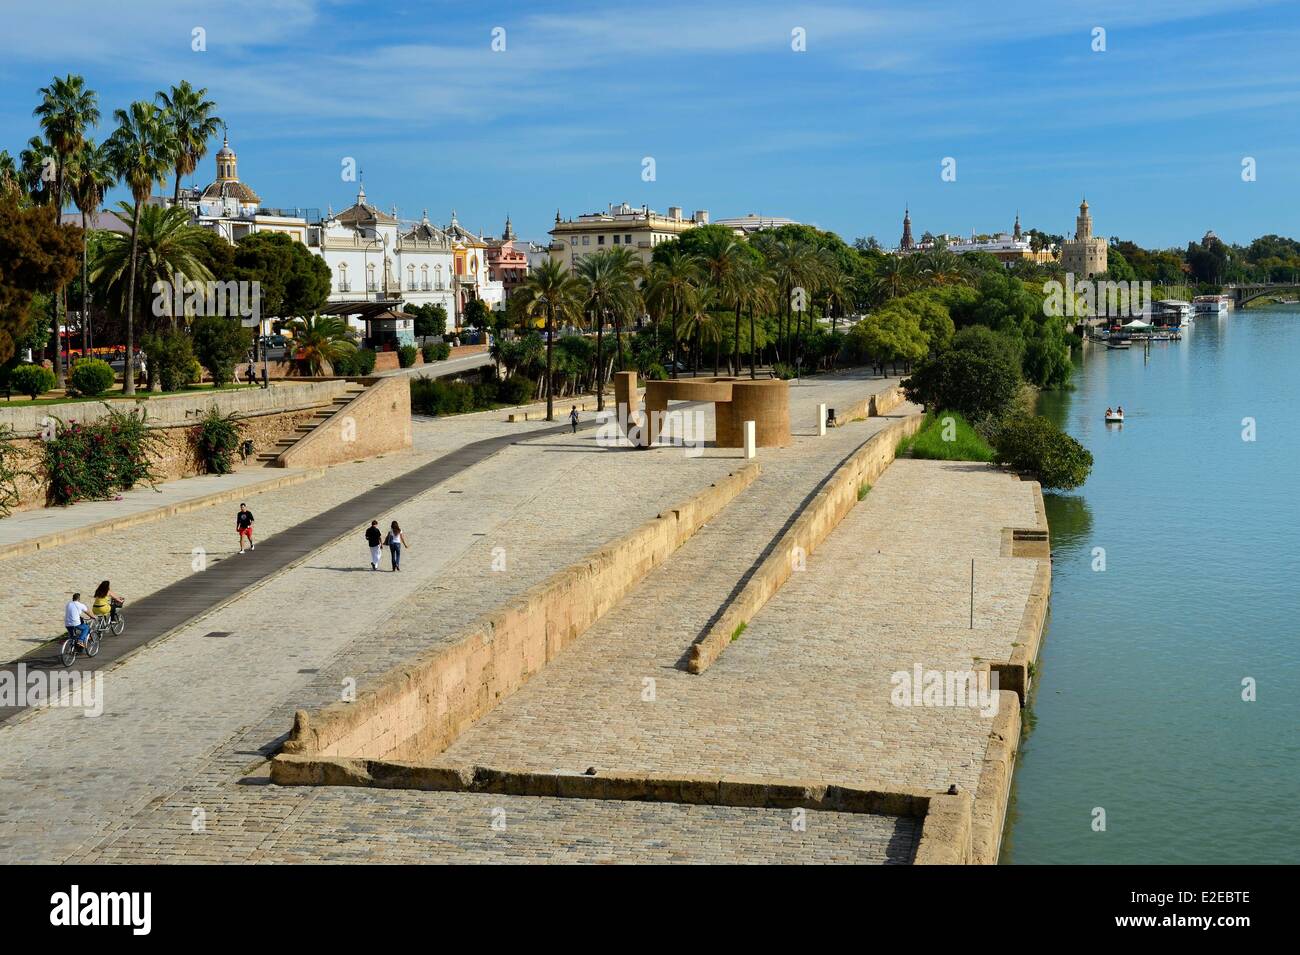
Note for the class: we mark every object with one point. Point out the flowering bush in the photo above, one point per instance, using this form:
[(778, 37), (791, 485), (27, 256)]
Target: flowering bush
[(94, 460), (218, 440)]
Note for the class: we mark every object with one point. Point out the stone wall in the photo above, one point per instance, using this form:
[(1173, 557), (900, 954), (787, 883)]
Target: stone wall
[(822, 514), (422, 706), (375, 422), (265, 417)]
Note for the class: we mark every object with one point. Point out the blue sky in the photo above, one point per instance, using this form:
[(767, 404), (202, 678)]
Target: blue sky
[(1153, 130)]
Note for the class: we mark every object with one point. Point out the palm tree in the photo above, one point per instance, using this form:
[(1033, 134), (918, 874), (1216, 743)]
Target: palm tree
[(837, 294), (897, 276), (794, 265), (704, 326), (10, 176), (721, 261), (34, 161), (609, 279), (673, 289), (551, 290), (192, 120), (757, 291), (142, 147), (66, 111), (321, 341), (167, 246), (93, 176)]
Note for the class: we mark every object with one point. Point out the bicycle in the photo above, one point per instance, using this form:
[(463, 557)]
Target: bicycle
[(116, 619), (71, 646)]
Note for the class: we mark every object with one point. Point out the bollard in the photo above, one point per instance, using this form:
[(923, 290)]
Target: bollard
[(750, 439), (821, 420)]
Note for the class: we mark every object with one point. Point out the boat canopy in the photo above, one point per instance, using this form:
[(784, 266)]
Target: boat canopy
[(1137, 323)]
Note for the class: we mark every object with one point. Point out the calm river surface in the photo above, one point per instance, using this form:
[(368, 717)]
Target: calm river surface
[(1138, 708)]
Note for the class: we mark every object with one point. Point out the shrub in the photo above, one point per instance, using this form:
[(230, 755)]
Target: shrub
[(436, 351), (219, 343), (31, 380), (218, 439), (172, 356), (516, 390), (91, 377), (406, 356), (1035, 445), (947, 436), (363, 361), (434, 396), (92, 461), (783, 370)]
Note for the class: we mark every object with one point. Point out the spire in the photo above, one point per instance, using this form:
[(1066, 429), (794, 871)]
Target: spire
[(361, 194), (1016, 232), (906, 242), (557, 216), (509, 234)]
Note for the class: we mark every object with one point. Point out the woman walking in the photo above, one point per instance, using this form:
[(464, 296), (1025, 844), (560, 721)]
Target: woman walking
[(395, 540)]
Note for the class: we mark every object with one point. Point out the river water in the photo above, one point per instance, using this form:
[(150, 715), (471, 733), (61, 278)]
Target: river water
[(1138, 710)]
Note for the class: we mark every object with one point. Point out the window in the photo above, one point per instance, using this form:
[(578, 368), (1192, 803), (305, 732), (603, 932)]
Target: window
[(586, 240), (600, 240), (627, 240), (616, 240)]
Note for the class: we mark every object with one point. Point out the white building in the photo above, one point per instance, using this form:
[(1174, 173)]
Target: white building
[(233, 210), (372, 258)]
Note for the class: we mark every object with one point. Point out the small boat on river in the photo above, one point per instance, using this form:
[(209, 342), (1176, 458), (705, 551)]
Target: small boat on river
[(1115, 416)]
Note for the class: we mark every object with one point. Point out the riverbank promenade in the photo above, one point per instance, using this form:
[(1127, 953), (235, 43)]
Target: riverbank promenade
[(191, 717)]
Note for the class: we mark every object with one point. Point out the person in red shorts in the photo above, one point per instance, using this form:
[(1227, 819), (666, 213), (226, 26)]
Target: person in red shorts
[(244, 525)]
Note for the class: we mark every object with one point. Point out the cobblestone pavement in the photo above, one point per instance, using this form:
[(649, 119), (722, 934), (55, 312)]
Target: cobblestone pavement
[(186, 718), (143, 559), (805, 692)]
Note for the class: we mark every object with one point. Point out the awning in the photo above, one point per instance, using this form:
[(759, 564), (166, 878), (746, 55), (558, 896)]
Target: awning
[(363, 310)]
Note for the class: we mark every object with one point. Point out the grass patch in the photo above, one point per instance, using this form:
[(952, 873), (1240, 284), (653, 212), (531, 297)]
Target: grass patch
[(740, 628), (863, 488), (946, 436), (116, 394)]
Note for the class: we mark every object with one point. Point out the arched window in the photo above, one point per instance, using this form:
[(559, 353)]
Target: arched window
[(370, 278), (343, 277), (424, 277), (410, 278)]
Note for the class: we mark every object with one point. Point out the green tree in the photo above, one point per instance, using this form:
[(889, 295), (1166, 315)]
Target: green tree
[(551, 291), (609, 279), (66, 111), (673, 291), (193, 123), (219, 342), (979, 376), (142, 149), (93, 176), (322, 340), (293, 282), (36, 256)]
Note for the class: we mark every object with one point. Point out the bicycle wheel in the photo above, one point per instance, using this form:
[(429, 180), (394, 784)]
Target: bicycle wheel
[(118, 625), (68, 652), (92, 644)]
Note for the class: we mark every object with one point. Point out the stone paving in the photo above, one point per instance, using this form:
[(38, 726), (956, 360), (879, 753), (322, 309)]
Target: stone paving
[(188, 717), (805, 692)]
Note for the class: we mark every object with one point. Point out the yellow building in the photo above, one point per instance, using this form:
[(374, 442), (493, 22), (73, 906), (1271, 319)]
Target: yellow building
[(1086, 255), (621, 227)]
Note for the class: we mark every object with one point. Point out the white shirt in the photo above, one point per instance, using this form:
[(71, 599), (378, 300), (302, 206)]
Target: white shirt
[(72, 613)]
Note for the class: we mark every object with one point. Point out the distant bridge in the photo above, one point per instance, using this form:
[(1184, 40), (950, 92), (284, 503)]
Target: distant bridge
[(1245, 294)]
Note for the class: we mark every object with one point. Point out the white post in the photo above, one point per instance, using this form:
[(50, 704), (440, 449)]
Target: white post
[(821, 421), (750, 440)]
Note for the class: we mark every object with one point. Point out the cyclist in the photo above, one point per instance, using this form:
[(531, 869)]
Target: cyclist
[(77, 619), (106, 602)]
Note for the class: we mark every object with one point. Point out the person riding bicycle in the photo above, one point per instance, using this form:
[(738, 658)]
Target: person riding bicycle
[(106, 602), (77, 619)]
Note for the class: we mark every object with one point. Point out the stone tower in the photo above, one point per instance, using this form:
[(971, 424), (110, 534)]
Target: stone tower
[(906, 242), (1086, 255)]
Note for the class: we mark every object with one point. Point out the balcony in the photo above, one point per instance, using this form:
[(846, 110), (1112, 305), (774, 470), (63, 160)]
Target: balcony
[(345, 286)]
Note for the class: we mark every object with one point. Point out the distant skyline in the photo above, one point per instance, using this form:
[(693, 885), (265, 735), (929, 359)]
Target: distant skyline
[(841, 135)]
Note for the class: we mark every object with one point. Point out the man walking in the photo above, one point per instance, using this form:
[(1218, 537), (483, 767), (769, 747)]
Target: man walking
[(374, 538), (244, 525), (573, 418)]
